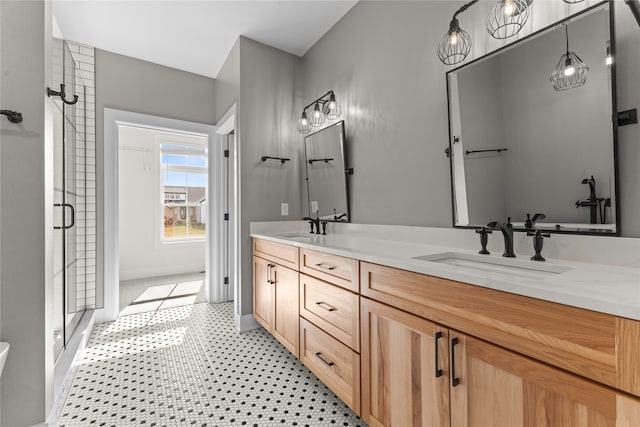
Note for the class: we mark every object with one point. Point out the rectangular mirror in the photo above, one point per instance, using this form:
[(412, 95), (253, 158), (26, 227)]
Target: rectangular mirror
[(521, 145), (326, 174)]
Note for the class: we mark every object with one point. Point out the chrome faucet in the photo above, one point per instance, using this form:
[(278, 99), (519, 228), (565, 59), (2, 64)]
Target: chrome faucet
[(507, 235)]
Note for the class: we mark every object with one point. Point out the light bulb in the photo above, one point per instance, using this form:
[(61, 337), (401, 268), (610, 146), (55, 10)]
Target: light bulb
[(569, 69), (453, 38), (509, 7), (609, 60)]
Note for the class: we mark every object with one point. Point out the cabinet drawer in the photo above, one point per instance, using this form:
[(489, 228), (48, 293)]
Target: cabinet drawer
[(277, 252), (333, 362), (595, 345), (331, 268), (333, 309)]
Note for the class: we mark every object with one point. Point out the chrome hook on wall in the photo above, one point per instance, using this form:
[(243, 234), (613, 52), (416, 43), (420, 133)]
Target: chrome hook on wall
[(62, 95), (13, 116)]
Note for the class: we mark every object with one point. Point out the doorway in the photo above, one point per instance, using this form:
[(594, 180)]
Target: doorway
[(215, 245), (163, 205)]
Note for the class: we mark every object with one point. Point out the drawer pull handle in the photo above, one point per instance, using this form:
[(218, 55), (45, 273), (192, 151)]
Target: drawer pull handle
[(269, 267), (454, 380), (438, 370), (326, 306), (325, 361), (325, 266)]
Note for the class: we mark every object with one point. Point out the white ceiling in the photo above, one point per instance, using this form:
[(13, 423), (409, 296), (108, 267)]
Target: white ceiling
[(195, 36)]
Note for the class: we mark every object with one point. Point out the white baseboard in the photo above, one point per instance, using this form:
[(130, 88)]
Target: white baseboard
[(245, 323)]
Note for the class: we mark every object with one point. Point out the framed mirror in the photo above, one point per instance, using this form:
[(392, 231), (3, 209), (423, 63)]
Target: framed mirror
[(531, 132), (326, 174)]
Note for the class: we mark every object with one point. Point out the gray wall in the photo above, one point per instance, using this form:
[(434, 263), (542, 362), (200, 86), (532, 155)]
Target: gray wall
[(228, 82), (130, 84), (266, 113), (26, 177), (381, 61)]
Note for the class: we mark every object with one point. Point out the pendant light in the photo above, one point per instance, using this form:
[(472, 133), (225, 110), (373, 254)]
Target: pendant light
[(325, 107), (331, 108), (573, 1), (570, 72), (304, 127), (456, 43), (507, 18), (317, 116)]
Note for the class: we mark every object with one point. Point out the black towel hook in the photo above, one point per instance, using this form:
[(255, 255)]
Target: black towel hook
[(62, 95), (13, 116)]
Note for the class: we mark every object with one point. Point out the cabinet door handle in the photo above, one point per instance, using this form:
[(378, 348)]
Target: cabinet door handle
[(438, 370), (325, 361), (326, 306), (325, 266), (454, 380), (269, 267)]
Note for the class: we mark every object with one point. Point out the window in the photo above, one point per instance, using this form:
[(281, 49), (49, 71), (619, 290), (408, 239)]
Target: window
[(184, 189)]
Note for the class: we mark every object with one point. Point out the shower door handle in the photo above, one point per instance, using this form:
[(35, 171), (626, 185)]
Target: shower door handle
[(73, 216)]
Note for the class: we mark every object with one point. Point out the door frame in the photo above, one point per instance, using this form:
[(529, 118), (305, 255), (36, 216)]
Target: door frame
[(110, 208), (226, 125)]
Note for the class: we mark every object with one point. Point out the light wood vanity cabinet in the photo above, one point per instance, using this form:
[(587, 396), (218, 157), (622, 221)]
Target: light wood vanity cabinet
[(275, 292), (519, 390), (392, 343)]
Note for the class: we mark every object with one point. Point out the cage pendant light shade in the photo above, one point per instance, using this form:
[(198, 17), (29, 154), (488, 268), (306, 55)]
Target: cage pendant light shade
[(317, 116), (507, 18), (570, 72), (331, 108), (455, 45), (304, 126)]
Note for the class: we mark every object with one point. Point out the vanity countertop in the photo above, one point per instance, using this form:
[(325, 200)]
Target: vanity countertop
[(604, 288)]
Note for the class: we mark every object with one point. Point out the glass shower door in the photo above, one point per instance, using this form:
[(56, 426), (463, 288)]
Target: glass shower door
[(69, 296)]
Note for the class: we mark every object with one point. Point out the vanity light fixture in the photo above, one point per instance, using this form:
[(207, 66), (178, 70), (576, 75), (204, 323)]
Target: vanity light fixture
[(570, 72), (456, 44), (507, 18), (325, 107)]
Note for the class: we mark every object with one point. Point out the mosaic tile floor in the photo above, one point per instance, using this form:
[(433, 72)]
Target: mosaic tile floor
[(187, 366)]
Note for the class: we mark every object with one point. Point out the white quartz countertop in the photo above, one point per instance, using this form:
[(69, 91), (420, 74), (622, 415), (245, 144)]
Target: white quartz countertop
[(604, 288)]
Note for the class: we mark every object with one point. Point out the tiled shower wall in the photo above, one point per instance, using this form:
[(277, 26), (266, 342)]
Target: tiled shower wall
[(84, 57)]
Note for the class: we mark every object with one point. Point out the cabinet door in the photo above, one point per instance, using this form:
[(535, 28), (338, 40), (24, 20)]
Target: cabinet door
[(491, 386), (263, 292), (404, 368), (286, 324)]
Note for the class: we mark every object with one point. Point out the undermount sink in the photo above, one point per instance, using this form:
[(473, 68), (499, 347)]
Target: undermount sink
[(506, 267), (296, 235)]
